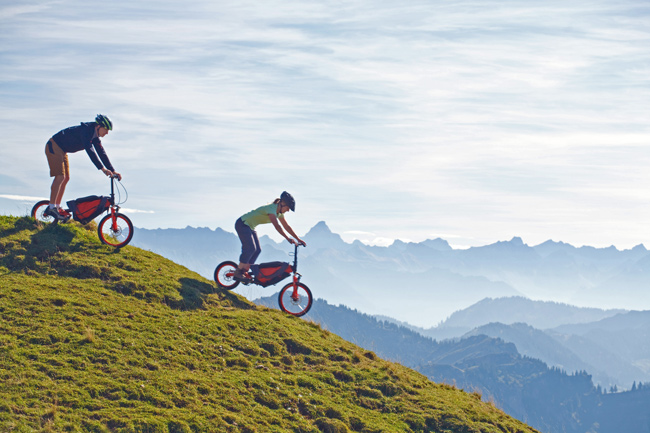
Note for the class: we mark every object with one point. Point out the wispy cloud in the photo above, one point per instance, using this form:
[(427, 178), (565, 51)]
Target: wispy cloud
[(482, 120), (128, 210), (21, 197)]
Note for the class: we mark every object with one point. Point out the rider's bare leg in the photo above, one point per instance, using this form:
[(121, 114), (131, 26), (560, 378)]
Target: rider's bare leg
[(58, 188)]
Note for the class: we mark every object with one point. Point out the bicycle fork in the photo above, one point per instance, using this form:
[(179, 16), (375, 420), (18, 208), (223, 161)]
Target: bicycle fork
[(294, 294), (114, 226), (114, 208)]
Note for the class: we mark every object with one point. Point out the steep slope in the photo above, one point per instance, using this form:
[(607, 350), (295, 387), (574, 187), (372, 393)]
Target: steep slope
[(93, 339)]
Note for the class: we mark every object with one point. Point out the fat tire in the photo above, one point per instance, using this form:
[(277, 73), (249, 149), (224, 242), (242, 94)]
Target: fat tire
[(288, 306), (107, 219), (222, 282)]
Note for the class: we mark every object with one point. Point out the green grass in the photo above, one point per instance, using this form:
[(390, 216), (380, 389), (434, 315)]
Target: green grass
[(94, 339)]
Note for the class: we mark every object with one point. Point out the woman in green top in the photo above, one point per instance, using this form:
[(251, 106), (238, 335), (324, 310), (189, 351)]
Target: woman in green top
[(245, 227)]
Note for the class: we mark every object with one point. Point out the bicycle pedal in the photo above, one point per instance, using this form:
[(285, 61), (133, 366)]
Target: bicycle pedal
[(243, 280)]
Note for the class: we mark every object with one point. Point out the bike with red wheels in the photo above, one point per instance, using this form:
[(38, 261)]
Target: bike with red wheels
[(295, 298), (114, 229)]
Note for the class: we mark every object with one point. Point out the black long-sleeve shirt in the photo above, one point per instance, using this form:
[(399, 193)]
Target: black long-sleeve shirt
[(76, 138)]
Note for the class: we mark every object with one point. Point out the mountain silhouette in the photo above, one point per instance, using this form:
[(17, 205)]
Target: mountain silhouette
[(431, 275)]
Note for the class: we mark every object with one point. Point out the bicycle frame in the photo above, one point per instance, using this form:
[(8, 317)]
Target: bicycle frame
[(295, 276), (294, 298), (111, 226)]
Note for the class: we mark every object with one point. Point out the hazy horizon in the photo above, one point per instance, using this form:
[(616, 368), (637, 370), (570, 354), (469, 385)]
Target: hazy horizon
[(350, 238)]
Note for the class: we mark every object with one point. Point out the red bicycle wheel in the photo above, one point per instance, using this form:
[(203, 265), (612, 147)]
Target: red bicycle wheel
[(38, 212), (298, 303), (117, 235), (223, 275)]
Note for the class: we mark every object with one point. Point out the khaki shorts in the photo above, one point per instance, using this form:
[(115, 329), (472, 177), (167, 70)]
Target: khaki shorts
[(57, 159)]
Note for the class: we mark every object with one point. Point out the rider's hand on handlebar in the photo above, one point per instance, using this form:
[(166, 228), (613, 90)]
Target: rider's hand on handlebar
[(113, 174), (291, 241)]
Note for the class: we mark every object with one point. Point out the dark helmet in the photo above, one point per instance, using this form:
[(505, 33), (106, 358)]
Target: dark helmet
[(288, 200), (104, 121)]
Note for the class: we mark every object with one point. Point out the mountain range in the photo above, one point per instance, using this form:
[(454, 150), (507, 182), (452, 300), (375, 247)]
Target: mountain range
[(424, 283), (549, 398), (478, 291), (611, 345)]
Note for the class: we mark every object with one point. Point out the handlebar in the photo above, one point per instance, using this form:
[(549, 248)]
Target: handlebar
[(295, 249)]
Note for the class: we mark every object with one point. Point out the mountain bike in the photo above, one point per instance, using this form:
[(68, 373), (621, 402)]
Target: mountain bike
[(295, 298), (114, 229)]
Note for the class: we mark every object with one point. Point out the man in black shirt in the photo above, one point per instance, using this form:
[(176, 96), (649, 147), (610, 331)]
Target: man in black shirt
[(86, 136)]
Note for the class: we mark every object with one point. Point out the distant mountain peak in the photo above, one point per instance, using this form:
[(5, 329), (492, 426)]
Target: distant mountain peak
[(321, 236), (320, 227), (514, 247), (438, 244), (517, 241), (551, 243)]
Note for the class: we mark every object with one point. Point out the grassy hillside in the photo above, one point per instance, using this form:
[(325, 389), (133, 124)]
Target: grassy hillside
[(94, 339)]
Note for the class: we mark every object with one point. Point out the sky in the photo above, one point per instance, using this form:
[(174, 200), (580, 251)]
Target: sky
[(471, 121)]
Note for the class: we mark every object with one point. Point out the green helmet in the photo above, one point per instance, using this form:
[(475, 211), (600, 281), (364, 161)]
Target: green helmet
[(104, 121)]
